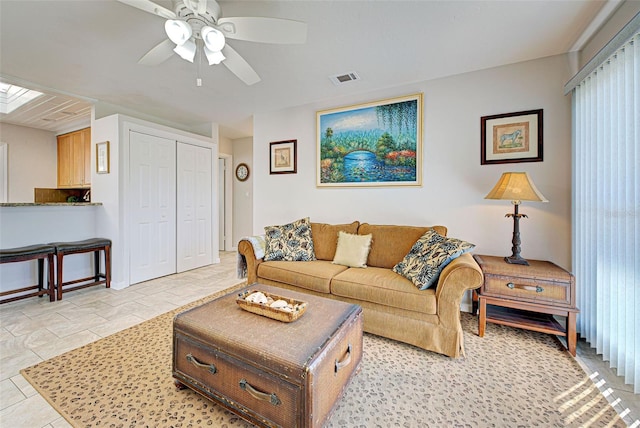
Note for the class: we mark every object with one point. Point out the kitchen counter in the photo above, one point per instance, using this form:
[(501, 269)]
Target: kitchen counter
[(50, 204), (28, 223)]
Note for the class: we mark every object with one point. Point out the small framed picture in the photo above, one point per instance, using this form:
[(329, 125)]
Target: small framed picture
[(102, 157), (511, 137), (283, 157)]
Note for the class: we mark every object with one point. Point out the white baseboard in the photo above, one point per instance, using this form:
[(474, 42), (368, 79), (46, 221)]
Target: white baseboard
[(119, 285)]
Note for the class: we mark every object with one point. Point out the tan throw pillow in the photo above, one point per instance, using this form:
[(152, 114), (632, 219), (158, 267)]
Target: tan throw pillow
[(352, 250)]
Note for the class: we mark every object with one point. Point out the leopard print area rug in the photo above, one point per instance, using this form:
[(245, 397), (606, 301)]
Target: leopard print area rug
[(509, 378)]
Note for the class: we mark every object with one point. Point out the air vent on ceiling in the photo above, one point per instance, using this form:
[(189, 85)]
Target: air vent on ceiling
[(59, 115), (344, 78)]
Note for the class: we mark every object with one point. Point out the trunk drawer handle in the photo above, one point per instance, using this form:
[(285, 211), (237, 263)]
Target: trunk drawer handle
[(272, 398), (211, 367), (345, 361), (537, 288)]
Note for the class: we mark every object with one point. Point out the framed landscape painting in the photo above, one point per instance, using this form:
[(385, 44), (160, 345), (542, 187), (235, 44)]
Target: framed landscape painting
[(511, 137), (369, 145)]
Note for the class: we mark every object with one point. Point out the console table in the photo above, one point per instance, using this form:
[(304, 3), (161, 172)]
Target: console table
[(527, 297)]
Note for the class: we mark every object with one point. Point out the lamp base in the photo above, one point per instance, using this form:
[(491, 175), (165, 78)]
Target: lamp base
[(516, 260)]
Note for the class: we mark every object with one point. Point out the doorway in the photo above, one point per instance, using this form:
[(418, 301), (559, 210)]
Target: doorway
[(225, 201)]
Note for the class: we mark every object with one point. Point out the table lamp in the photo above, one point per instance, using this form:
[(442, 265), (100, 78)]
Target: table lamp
[(516, 187)]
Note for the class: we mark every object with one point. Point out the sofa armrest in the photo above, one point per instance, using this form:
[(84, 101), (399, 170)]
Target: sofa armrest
[(462, 274), (245, 249)]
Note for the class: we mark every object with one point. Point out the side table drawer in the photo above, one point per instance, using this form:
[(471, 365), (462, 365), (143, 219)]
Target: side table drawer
[(528, 289)]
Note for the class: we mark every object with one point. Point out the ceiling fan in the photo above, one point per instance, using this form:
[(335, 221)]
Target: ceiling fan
[(195, 23)]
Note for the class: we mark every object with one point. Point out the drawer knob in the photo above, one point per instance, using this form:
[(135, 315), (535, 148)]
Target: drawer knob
[(211, 367), (537, 288), (272, 398)]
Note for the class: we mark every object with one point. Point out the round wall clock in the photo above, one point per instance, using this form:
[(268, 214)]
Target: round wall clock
[(242, 172)]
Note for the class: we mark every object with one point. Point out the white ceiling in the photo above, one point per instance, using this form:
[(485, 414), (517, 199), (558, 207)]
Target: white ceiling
[(90, 49)]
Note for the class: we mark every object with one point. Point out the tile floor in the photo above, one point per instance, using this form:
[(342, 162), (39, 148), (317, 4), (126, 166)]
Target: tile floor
[(621, 396), (33, 330)]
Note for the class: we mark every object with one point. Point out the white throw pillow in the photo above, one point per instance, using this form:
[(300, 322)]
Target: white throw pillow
[(352, 250)]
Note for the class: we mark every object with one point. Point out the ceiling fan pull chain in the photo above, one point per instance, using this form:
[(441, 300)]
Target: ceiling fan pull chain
[(198, 78)]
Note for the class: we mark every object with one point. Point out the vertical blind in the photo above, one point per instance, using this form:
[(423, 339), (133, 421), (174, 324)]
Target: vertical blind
[(606, 211)]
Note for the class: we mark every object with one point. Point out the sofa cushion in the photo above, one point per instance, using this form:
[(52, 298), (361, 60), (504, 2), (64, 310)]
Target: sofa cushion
[(389, 244), (313, 275), (428, 256), (384, 287), (289, 242), (325, 238), (352, 250)]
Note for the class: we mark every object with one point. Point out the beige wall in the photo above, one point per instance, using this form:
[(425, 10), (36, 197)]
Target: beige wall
[(454, 183), (243, 190), (225, 145), (32, 160)]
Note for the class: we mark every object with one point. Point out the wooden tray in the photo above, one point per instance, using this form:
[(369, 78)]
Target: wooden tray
[(298, 306)]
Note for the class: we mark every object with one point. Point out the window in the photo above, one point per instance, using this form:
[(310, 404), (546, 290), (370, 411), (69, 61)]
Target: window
[(606, 204), (13, 96)]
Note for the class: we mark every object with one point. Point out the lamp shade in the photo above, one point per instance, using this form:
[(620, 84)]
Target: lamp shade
[(212, 38), (178, 31), (516, 186), (187, 50), (214, 57)]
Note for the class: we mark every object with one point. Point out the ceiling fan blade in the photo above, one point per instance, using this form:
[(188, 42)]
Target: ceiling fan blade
[(150, 7), (239, 66), (264, 30), (158, 54)]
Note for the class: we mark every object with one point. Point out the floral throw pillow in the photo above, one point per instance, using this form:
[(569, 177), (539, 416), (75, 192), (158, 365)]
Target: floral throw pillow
[(428, 256), (291, 242)]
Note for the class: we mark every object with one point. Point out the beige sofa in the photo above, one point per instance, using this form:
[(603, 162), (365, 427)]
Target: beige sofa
[(393, 306)]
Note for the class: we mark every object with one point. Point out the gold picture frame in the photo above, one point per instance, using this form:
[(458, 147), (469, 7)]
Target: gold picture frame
[(371, 144), (102, 157)]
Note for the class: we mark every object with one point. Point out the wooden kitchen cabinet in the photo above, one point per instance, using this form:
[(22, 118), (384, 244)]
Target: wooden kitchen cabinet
[(74, 159)]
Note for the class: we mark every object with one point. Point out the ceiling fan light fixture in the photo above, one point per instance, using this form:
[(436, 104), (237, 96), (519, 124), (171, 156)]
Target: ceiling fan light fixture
[(178, 31), (187, 50), (213, 39), (214, 57)]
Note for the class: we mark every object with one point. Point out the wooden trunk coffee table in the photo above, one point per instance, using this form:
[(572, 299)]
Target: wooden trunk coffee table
[(269, 372)]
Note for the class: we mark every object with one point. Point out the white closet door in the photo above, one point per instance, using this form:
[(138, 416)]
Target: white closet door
[(153, 207), (194, 207)]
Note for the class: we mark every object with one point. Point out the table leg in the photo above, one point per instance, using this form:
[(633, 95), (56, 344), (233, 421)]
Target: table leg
[(482, 317), (571, 333), (474, 302)]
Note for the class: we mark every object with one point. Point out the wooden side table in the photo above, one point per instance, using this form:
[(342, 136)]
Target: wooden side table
[(527, 297)]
